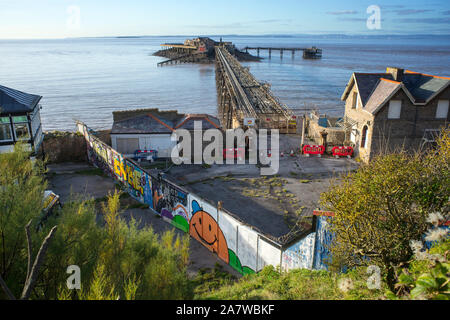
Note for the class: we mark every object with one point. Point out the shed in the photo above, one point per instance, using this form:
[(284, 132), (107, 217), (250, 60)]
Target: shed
[(151, 129)]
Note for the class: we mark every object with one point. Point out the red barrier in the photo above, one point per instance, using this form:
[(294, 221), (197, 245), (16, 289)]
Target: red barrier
[(234, 153), (343, 152), (316, 150)]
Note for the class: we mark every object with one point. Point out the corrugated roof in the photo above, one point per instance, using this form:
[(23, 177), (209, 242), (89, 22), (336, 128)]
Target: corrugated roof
[(15, 101)]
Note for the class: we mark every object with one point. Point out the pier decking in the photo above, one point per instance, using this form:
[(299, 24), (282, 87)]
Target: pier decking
[(308, 53), (243, 101)]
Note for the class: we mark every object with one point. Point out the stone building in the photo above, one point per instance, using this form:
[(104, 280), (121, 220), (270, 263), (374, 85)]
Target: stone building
[(396, 109)]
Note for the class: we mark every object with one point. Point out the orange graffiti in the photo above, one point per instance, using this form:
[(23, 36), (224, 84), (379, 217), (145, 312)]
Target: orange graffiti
[(156, 198), (205, 229)]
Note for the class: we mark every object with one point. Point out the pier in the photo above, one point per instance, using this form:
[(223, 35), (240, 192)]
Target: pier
[(308, 53), (245, 102)]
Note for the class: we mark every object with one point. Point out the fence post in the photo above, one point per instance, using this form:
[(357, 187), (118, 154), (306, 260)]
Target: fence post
[(257, 252)]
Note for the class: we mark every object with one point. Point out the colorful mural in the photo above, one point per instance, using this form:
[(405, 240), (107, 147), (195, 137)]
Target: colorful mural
[(139, 183), (171, 203), (204, 228), (119, 166), (323, 240), (300, 255)]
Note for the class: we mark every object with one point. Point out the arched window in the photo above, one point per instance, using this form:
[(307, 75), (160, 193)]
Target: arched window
[(364, 137)]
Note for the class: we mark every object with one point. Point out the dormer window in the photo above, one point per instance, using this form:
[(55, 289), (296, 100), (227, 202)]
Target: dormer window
[(442, 109), (395, 109)]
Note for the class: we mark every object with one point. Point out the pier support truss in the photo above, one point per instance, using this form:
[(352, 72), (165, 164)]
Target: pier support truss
[(245, 102)]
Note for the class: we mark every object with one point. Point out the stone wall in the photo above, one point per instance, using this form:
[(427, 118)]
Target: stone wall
[(64, 147)]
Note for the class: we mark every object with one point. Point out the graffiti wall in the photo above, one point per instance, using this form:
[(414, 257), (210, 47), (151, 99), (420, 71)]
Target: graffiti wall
[(171, 203), (323, 240), (300, 255), (244, 249), (139, 183)]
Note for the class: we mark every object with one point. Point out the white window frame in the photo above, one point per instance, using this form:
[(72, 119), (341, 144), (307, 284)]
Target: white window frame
[(442, 109), (397, 112), (22, 123), (10, 130)]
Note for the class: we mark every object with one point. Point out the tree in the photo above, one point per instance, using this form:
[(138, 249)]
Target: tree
[(21, 200), (382, 206), (117, 259)]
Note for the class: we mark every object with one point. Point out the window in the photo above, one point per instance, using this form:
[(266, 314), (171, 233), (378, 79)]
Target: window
[(35, 122), (21, 128), (395, 109), (5, 130), (442, 109), (355, 100), (364, 137)]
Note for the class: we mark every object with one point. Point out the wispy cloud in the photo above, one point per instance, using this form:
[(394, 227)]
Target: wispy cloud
[(426, 20), (343, 12), (241, 25), (353, 19), (393, 6), (407, 12)]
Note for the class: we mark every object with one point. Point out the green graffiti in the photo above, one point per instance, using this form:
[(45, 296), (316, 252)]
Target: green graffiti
[(235, 263), (181, 223), (247, 270)]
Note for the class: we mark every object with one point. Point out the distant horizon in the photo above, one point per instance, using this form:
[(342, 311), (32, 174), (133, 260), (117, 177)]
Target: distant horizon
[(281, 35), (51, 19)]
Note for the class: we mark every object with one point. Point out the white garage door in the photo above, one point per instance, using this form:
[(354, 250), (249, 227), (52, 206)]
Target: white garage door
[(161, 143)]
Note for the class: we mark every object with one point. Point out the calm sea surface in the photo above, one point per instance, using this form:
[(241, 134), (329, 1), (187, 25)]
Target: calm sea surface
[(88, 79)]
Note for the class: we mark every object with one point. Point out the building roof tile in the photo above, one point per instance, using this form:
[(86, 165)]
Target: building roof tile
[(13, 101)]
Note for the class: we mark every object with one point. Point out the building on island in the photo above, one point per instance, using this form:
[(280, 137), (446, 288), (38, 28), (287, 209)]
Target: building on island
[(151, 129), (394, 109), (20, 120)]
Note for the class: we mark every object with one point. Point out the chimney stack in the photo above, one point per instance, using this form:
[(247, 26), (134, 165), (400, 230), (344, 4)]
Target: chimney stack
[(397, 73)]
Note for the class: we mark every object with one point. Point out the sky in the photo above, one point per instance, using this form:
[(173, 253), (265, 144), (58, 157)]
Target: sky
[(30, 19)]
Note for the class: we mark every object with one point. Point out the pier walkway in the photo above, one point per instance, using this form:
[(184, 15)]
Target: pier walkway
[(244, 101), (308, 53)]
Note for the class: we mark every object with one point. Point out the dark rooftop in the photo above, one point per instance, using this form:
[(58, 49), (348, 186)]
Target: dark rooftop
[(154, 121), (13, 101), (375, 88)]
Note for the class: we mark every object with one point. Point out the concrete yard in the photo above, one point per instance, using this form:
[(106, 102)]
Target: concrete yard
[(271, 204)]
